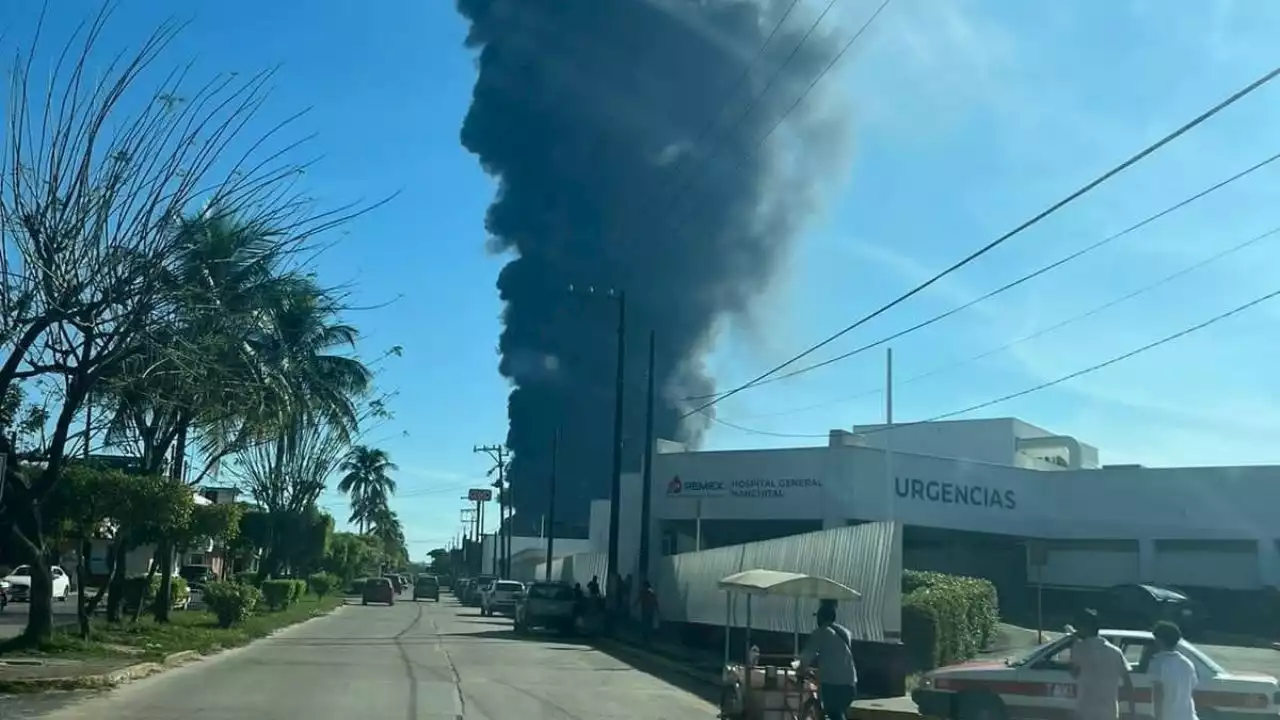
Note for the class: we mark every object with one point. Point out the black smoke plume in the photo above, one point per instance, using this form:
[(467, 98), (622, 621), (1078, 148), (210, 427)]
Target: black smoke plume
[(596, 118)]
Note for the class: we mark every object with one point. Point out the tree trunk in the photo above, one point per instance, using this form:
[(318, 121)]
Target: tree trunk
[(92, 603), (115, 583), (82, 572), (164, 599), (142, 593), (28, 532)]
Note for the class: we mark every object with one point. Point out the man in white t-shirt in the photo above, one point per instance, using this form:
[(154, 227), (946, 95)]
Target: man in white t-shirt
[(1173, 677), (1099, 669)]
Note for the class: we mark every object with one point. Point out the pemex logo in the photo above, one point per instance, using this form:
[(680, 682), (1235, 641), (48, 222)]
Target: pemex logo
[(675, 486)]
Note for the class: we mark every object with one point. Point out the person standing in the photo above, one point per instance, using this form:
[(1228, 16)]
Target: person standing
[(648, 602), (1099, 669), (1173, 677), (831, 645)]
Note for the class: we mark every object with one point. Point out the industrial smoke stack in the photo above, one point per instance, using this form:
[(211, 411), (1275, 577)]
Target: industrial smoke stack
[(631, 152)]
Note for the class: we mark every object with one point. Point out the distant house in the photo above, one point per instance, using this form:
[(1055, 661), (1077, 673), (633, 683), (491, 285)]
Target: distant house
[(138, 561)]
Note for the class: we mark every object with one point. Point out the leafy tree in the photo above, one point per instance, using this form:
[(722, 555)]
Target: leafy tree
[(94, 281), (366, 482), (351, 556)]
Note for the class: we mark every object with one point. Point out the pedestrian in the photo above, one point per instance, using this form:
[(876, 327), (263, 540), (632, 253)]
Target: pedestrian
[(831, 644), (579, 601), (1099, 669), (648, 602), (1173, 677)]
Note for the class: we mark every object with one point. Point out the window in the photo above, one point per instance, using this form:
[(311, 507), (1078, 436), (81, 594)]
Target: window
[(510, 586), (550, 592)]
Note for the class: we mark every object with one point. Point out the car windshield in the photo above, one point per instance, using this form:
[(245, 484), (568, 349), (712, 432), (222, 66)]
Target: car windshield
[(21, 570), (510, 586), (426, 580), (550, 592)]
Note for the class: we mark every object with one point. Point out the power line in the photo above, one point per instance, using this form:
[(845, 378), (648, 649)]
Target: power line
[(1133, 160), (751, 106), (1025, 278), (1057, 381), (835, 60), (1048, 328)]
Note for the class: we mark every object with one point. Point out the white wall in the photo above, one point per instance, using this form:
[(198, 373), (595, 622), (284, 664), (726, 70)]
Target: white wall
[(851, 483), (560, 548), (1149, 505)]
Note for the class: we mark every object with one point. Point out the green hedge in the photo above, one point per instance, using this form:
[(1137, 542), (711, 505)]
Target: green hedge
[(139, 587), (231, 602), (946, 618), (323, 583), (280, 594)]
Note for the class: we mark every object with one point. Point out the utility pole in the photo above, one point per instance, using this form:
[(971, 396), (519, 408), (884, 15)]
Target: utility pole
[(615, 484), (468, 524), (501, 458), (551, 504), (646, 489)]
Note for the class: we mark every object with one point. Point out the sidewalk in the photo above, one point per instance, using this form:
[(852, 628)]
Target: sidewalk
[(708, 667)]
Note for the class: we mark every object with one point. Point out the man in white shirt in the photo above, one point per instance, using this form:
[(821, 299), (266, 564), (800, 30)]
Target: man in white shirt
[(1099, 669), (1173, 676)]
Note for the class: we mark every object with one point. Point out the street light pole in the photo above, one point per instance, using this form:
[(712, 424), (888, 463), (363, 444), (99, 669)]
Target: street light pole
[(615, 485), (647, 481), (551, 505)]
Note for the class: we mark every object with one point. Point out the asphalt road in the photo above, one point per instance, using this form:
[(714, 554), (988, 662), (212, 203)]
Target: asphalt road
[(418, 661), (14, 616)]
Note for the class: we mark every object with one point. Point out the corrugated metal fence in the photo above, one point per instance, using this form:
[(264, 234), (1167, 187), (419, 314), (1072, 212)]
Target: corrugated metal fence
[(867, 558)]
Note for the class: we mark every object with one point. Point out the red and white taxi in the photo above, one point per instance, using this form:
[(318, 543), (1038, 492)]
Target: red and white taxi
[(1039, 686)]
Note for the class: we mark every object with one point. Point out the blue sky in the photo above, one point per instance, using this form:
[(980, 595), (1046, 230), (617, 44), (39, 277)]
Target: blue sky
[(965, 118)]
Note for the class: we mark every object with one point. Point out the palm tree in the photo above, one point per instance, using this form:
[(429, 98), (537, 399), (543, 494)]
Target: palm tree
[(366, 482)]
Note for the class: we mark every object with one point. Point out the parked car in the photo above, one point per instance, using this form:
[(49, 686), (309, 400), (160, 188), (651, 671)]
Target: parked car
[(1039, 684), (427, 586), (477, 589), (1139, 607), (20, 583), (545, 605), (500, 598), (379, 590), (395, 581), (197, 576)]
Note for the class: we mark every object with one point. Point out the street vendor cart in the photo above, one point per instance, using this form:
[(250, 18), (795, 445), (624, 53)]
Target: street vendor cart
[(756, 688)]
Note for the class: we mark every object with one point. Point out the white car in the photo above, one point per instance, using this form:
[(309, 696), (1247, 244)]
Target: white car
[(501, 597), (20, 583), (1039, 685)]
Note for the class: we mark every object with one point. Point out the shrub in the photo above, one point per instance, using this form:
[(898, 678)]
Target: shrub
[(247, 577), (323, 583), (946, 618), (138, 588), (298, 590), (278, 593), (231, 602)]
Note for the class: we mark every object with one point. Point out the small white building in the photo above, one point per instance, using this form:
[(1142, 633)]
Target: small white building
[(999, 498)]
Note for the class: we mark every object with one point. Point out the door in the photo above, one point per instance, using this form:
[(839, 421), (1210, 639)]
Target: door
[(1045, 687)]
